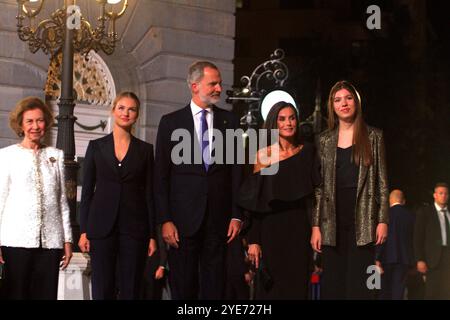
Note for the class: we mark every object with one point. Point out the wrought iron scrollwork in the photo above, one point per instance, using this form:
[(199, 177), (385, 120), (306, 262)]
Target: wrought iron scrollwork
[(102, 125), (274, 70), (269, 74)]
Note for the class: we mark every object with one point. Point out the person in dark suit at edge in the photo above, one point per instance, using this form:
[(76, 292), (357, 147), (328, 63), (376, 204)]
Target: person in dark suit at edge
[(396, 255), (432, 244), (195, 200)]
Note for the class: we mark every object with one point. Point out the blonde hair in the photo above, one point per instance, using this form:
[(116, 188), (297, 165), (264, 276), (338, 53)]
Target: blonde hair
[(127, 94), (26, 104)]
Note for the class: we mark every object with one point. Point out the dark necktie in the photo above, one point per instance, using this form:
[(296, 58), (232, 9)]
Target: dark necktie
[(447, 226), (205, 140)]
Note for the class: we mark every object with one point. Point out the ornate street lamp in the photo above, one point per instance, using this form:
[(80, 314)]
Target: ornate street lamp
[(67, 31)]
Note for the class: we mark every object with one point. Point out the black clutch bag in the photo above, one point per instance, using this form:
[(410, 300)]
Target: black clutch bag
[(264, 277)]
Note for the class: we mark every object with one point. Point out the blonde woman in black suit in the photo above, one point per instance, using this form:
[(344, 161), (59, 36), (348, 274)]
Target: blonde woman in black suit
[(116, 213)]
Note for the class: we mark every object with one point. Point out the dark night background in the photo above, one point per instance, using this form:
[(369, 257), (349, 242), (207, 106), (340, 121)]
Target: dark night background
[(402, 72)]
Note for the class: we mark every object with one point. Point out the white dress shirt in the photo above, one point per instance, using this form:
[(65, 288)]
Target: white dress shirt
[(197, 115), (443, 223), (33, 206)]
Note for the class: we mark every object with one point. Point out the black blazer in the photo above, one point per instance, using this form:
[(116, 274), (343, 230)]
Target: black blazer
[(399, 247), (110, 195), (427, 236), (184, 191)]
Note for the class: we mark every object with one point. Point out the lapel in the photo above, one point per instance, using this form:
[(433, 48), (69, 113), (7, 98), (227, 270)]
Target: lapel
[(330, 147), (218, 121), (363, 171), (187, 122), (108, 153), (437, 223), (131, 158), (220, 124)]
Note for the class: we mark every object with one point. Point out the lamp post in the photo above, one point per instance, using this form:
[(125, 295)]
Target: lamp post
[(68, 31)]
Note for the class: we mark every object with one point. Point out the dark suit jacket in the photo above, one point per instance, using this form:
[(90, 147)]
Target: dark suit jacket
[(109, 195), (372, 194), (184, 191), (398, 249), (427, 236)]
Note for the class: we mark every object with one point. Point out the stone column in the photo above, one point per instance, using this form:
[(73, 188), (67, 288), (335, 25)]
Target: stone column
[(75, 280)]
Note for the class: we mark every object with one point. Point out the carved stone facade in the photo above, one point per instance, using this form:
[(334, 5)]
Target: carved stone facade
[(158, 41), (92, 80)]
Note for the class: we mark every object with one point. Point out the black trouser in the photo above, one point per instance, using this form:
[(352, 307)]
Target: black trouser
[(152, 289), (345, 268), (393, 281), (197, 266), (125, 253), (31, 273), (437, 285)]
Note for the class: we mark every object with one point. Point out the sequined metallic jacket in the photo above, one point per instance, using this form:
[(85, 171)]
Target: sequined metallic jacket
[(33, 207), (372, 192)]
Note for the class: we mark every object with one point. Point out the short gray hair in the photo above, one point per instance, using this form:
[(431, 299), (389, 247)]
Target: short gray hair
[(196, 71)]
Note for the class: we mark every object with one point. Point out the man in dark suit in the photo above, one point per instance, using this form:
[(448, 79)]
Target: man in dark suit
[(396, 255), (195, 195), (432, 244)]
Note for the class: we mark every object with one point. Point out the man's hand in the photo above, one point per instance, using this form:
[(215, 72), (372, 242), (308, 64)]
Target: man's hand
[(152, 247), (254, 254), (379, 266), (159, 273), (84, 243), (170, 234), (233, 229)]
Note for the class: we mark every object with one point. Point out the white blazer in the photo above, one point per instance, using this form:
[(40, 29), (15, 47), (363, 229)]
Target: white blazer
[(33, 206)]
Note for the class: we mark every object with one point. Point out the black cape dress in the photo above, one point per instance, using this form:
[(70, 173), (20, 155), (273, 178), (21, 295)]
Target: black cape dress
[(280, 209)]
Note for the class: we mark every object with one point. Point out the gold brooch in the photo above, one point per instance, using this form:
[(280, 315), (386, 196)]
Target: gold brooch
[(52, 160)]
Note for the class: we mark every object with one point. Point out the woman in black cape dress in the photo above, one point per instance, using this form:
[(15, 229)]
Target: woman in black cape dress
[(280, 207)]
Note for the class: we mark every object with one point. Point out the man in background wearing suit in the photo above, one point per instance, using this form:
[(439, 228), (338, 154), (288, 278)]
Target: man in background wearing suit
[(432, 244), (195, 200), (396, 255)]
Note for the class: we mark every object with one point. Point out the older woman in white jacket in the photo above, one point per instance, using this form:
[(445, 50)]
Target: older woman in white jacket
[(35, 232)]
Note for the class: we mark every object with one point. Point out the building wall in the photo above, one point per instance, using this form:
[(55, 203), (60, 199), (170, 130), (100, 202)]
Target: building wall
[(21, 72), (158, 41)]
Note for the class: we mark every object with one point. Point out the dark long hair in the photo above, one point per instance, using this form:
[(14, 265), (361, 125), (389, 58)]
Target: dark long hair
[(271, 120), (362, 150)]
